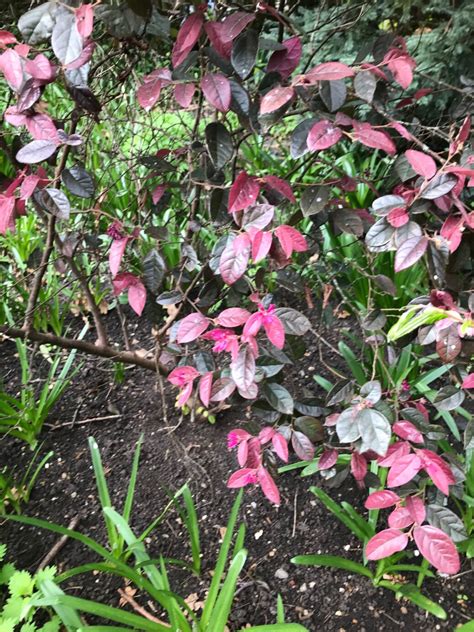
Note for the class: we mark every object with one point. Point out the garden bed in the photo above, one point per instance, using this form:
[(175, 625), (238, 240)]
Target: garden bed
[(195, 452)]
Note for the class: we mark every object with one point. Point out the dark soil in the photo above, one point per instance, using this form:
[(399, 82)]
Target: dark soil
[(195, 452)]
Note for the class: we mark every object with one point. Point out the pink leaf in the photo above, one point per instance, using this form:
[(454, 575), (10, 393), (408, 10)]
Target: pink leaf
[(280, 186), (400, 518), (183, 93), (382, 499), (330, 71), (242, 369), (137, 297), (438, 470), (41, 127), (416, 507), (231, 265), (406, 430), (243, 192), (394, 452), (401, 129), (242, 453), (290, 240), (28, 186), (85, 20), (386, 543), (241, 478), (276, 99), (261, 244), (7, 209), (401, 66), (40, 68), (216, 89), (403, 470), (188, 35), (370, 137), (185, 394), (468, 381), (398, 217), (327, 459), (265, 435), (358, 466), (149, 91), (116, 252), (6, 38), (183, 375), (122, 282), (241, 243), (234, 24), (274, 330), (451, 230), (205, 387), (268, 485), (410, 252), (84, 57), (233, 317), (322, 135), (438, 549), (421, 163), (286, 61), (253, 324), (12, 69), (280, 445), (191, 327), (158, 193)]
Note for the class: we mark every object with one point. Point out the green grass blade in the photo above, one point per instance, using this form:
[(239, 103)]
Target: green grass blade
[(411, 592), (66, 613), (127, 508), (332, 561), (353, 363), (104, 496), (220, 564), (339, 512), (280, 610), (221, 610)]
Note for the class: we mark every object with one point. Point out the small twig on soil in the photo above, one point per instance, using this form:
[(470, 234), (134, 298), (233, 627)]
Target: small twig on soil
[(293, 533), (385, 614), (83, 421), (59, 545), (325, 342), (140, 609)]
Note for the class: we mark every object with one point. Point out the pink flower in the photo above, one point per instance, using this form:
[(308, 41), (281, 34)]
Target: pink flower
[(184, 377), (115, 230), (225, 340), (266, 318)]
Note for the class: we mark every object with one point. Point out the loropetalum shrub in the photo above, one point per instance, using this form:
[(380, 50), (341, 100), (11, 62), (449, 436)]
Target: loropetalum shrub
[(237, 70)]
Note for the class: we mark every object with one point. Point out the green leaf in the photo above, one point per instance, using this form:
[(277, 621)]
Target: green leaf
[(221, 610), (411, 592), (21, 584), (413, 319), (278, 397), (332, 561)]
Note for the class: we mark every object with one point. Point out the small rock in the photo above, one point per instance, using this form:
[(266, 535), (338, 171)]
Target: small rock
[(280, 573)]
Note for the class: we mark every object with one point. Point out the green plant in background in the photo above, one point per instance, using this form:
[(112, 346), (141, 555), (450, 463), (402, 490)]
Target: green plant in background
[(16, 490), (18, 593), (128, 558), (23, 416)]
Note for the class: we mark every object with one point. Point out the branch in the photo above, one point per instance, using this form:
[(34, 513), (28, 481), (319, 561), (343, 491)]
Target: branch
[(103, 351)]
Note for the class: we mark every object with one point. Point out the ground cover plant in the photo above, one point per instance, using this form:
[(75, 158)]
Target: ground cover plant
[(203, 171)]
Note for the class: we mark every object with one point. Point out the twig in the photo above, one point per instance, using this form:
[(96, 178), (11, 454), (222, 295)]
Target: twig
[(59, 545), (127, 357), (83, 421), (293, 533), (140, 609)]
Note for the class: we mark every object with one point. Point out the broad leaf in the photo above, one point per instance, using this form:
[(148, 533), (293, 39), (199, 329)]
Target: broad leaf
[(329, 71), (216, 89), (154, 269), (66, 40), (365, 84), (449, 398), (36, 151), (191, 327), (375, 431), (302, 446), (439, 186), (243, 368), (446, 520), (314, 199), (276, 99), (244, 53), (219, 144), (278, 397), (36, 26), (286, 61), (333, 94), (410, 252), (404, 469), (188, 35), (323, 135), (243, 193), (294, 322), (56, 202), (78, 181), (438, 549), (381, 500), (386, 543), (421, 163)]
